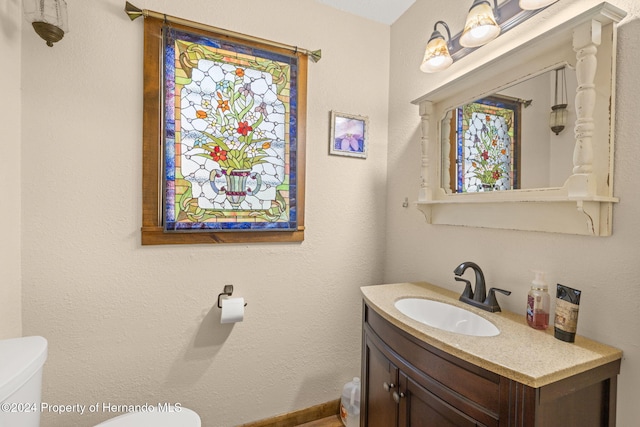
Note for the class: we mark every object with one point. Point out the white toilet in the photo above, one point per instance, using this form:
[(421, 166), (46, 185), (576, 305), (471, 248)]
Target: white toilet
[(179, 418), (21, 361)]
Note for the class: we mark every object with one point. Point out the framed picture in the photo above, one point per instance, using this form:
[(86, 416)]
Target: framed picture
[(349, 135), (223, 138)]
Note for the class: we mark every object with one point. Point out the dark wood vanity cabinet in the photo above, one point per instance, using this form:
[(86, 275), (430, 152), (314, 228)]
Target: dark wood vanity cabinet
[(406, 382)]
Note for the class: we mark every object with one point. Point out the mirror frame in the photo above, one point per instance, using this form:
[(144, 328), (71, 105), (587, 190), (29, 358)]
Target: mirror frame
[(585, 39)]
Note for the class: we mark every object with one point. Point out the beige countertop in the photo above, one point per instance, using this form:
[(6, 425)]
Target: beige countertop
[(521, 353)]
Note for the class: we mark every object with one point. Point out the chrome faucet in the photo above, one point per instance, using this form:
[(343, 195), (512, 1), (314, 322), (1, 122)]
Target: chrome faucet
[(478, 297)]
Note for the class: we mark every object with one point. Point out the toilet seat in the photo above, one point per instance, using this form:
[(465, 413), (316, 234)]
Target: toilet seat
[(20, 359), (179, 417), (21, 363)]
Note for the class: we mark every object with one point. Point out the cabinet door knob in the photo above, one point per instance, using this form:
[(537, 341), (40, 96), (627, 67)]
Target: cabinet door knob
[(397, 396), (387, 387)]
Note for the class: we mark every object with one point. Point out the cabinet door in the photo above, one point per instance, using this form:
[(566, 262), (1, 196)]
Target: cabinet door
[(380, 380), (421, 408)]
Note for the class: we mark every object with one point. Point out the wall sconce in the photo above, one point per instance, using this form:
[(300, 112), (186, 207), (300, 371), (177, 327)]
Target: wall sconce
[(535, 4), (436, 55), (48, 17), (481, 26), (559, 113), (484, 23)]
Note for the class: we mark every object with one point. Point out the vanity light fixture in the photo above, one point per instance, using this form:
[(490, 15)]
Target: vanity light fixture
[(436, 55), (535, 4), (481, 26), (484, 23), (559, 113), (48, 17)]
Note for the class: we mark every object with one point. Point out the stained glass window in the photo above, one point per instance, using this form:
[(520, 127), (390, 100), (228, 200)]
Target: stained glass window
[(487, 145), (223, 138), (229, 140)]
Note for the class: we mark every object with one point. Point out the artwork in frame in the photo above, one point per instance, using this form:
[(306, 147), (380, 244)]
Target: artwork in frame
[(231, 140), (349, 135)]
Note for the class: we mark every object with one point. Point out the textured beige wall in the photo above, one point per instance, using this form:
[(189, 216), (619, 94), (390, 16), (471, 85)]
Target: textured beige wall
[(10, 287), (605, 269), (128, 324)]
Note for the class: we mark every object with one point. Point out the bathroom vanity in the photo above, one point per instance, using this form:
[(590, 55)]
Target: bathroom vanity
[(418, 375)]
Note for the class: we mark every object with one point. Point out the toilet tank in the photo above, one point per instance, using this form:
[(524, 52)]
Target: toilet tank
[(21, 361)]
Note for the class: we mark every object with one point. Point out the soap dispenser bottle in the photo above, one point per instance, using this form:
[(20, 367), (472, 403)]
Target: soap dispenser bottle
[(538, 302)]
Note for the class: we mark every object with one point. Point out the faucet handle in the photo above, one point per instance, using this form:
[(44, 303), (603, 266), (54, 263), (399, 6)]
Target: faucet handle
[(467, 293), (491, 300)]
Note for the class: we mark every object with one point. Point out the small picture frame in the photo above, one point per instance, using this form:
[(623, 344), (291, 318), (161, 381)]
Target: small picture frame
[(349, 135)]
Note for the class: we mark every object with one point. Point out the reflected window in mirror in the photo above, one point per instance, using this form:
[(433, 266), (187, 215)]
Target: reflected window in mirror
[(541, 159), (485, 139)]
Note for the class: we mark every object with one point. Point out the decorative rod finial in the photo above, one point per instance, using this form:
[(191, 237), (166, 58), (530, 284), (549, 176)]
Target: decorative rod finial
[(132, 11), (316, 55)]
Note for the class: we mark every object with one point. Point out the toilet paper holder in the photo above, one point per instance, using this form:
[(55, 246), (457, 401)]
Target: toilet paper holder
[(228, 291)]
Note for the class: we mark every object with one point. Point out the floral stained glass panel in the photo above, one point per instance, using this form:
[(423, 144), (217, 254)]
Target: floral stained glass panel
[(230, 136), (486, 147)]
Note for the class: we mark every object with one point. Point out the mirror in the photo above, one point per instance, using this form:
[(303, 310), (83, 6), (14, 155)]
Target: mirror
[(503, 141), (544, 182)]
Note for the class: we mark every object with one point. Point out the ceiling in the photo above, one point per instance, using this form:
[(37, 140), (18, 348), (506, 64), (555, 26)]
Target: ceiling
[(384, 11)]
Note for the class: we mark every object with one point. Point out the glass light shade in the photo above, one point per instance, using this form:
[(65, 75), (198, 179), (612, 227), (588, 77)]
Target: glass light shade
[(558, 118), (481, 26), (535, 4), (48, 17), (436, 56)]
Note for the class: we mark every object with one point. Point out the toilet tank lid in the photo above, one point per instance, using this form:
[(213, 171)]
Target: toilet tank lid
[(20, 359)]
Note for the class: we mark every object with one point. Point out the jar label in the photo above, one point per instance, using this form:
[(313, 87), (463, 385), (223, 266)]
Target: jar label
[(566, 316), (530, 307)]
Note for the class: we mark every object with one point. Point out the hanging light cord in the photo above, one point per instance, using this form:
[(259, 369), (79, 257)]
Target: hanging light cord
[(563, 94), (564, 85)]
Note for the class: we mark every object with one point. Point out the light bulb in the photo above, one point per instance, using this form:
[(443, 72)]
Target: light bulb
[(481, 26), (436, 56)]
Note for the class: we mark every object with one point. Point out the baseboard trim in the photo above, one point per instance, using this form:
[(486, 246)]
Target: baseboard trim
[(301, 416)]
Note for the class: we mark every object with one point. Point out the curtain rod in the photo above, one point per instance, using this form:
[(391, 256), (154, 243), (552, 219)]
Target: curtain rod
[(134, 12), (525, 102)]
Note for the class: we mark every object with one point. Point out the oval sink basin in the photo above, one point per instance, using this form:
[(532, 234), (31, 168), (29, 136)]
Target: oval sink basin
[(446, 317)]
